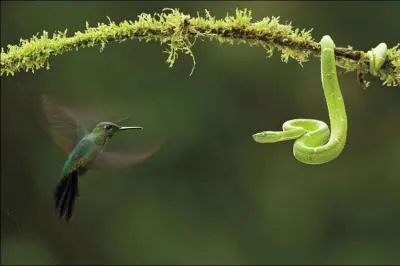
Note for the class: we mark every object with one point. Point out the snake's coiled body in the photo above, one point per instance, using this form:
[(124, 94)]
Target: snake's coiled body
[(315, 144)]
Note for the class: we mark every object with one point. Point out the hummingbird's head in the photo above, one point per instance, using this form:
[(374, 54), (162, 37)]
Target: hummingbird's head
[(105, 130)]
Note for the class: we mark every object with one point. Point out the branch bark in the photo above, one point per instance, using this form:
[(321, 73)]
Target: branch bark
[(179, 32)]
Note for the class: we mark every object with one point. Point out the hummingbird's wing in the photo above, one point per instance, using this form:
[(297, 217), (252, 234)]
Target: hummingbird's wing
[(64, 126), (119, 160)]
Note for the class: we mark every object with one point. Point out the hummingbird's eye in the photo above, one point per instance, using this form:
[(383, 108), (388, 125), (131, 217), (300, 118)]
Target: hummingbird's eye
[(107, 127)]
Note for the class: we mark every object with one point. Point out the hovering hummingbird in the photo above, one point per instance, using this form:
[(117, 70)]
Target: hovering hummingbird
[(85, 149)]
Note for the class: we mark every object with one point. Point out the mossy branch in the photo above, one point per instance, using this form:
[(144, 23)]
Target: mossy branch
[(179, 32)]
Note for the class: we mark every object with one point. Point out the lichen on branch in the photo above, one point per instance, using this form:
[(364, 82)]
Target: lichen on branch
[(179, 32)]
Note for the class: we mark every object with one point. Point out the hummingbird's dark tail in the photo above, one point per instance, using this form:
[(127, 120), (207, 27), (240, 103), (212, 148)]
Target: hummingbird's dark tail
[(65, 194)]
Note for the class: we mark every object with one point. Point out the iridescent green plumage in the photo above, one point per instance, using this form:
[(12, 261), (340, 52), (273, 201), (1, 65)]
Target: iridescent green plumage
[(85, 150)]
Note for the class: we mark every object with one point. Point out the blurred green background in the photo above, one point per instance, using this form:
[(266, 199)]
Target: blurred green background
[(211, 194)]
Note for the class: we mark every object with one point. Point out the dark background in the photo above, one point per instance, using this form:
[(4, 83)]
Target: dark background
[(211, 194)]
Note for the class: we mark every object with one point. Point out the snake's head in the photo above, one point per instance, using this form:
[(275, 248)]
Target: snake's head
[(267, 137)]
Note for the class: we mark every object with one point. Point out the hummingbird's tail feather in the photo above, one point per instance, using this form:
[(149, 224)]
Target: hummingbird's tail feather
[(65, 195)]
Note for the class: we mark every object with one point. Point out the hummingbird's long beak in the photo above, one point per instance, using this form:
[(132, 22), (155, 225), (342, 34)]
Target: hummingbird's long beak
[(125, 128)]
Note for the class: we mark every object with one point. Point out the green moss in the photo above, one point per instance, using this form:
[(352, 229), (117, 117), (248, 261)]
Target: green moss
[(178, 32), (392, 78)]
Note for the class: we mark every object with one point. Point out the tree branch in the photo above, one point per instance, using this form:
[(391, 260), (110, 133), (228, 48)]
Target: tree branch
[(179, 32)]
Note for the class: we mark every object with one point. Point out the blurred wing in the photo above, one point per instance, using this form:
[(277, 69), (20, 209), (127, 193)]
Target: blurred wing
[(121, 160), (64, 126)]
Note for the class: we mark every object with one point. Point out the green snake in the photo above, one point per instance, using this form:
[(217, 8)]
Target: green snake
[(314, 142)]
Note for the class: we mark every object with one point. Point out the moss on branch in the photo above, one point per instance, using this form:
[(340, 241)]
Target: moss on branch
[(179, 32)]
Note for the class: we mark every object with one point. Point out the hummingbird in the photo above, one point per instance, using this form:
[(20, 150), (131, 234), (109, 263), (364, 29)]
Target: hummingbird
[(85, 149)]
